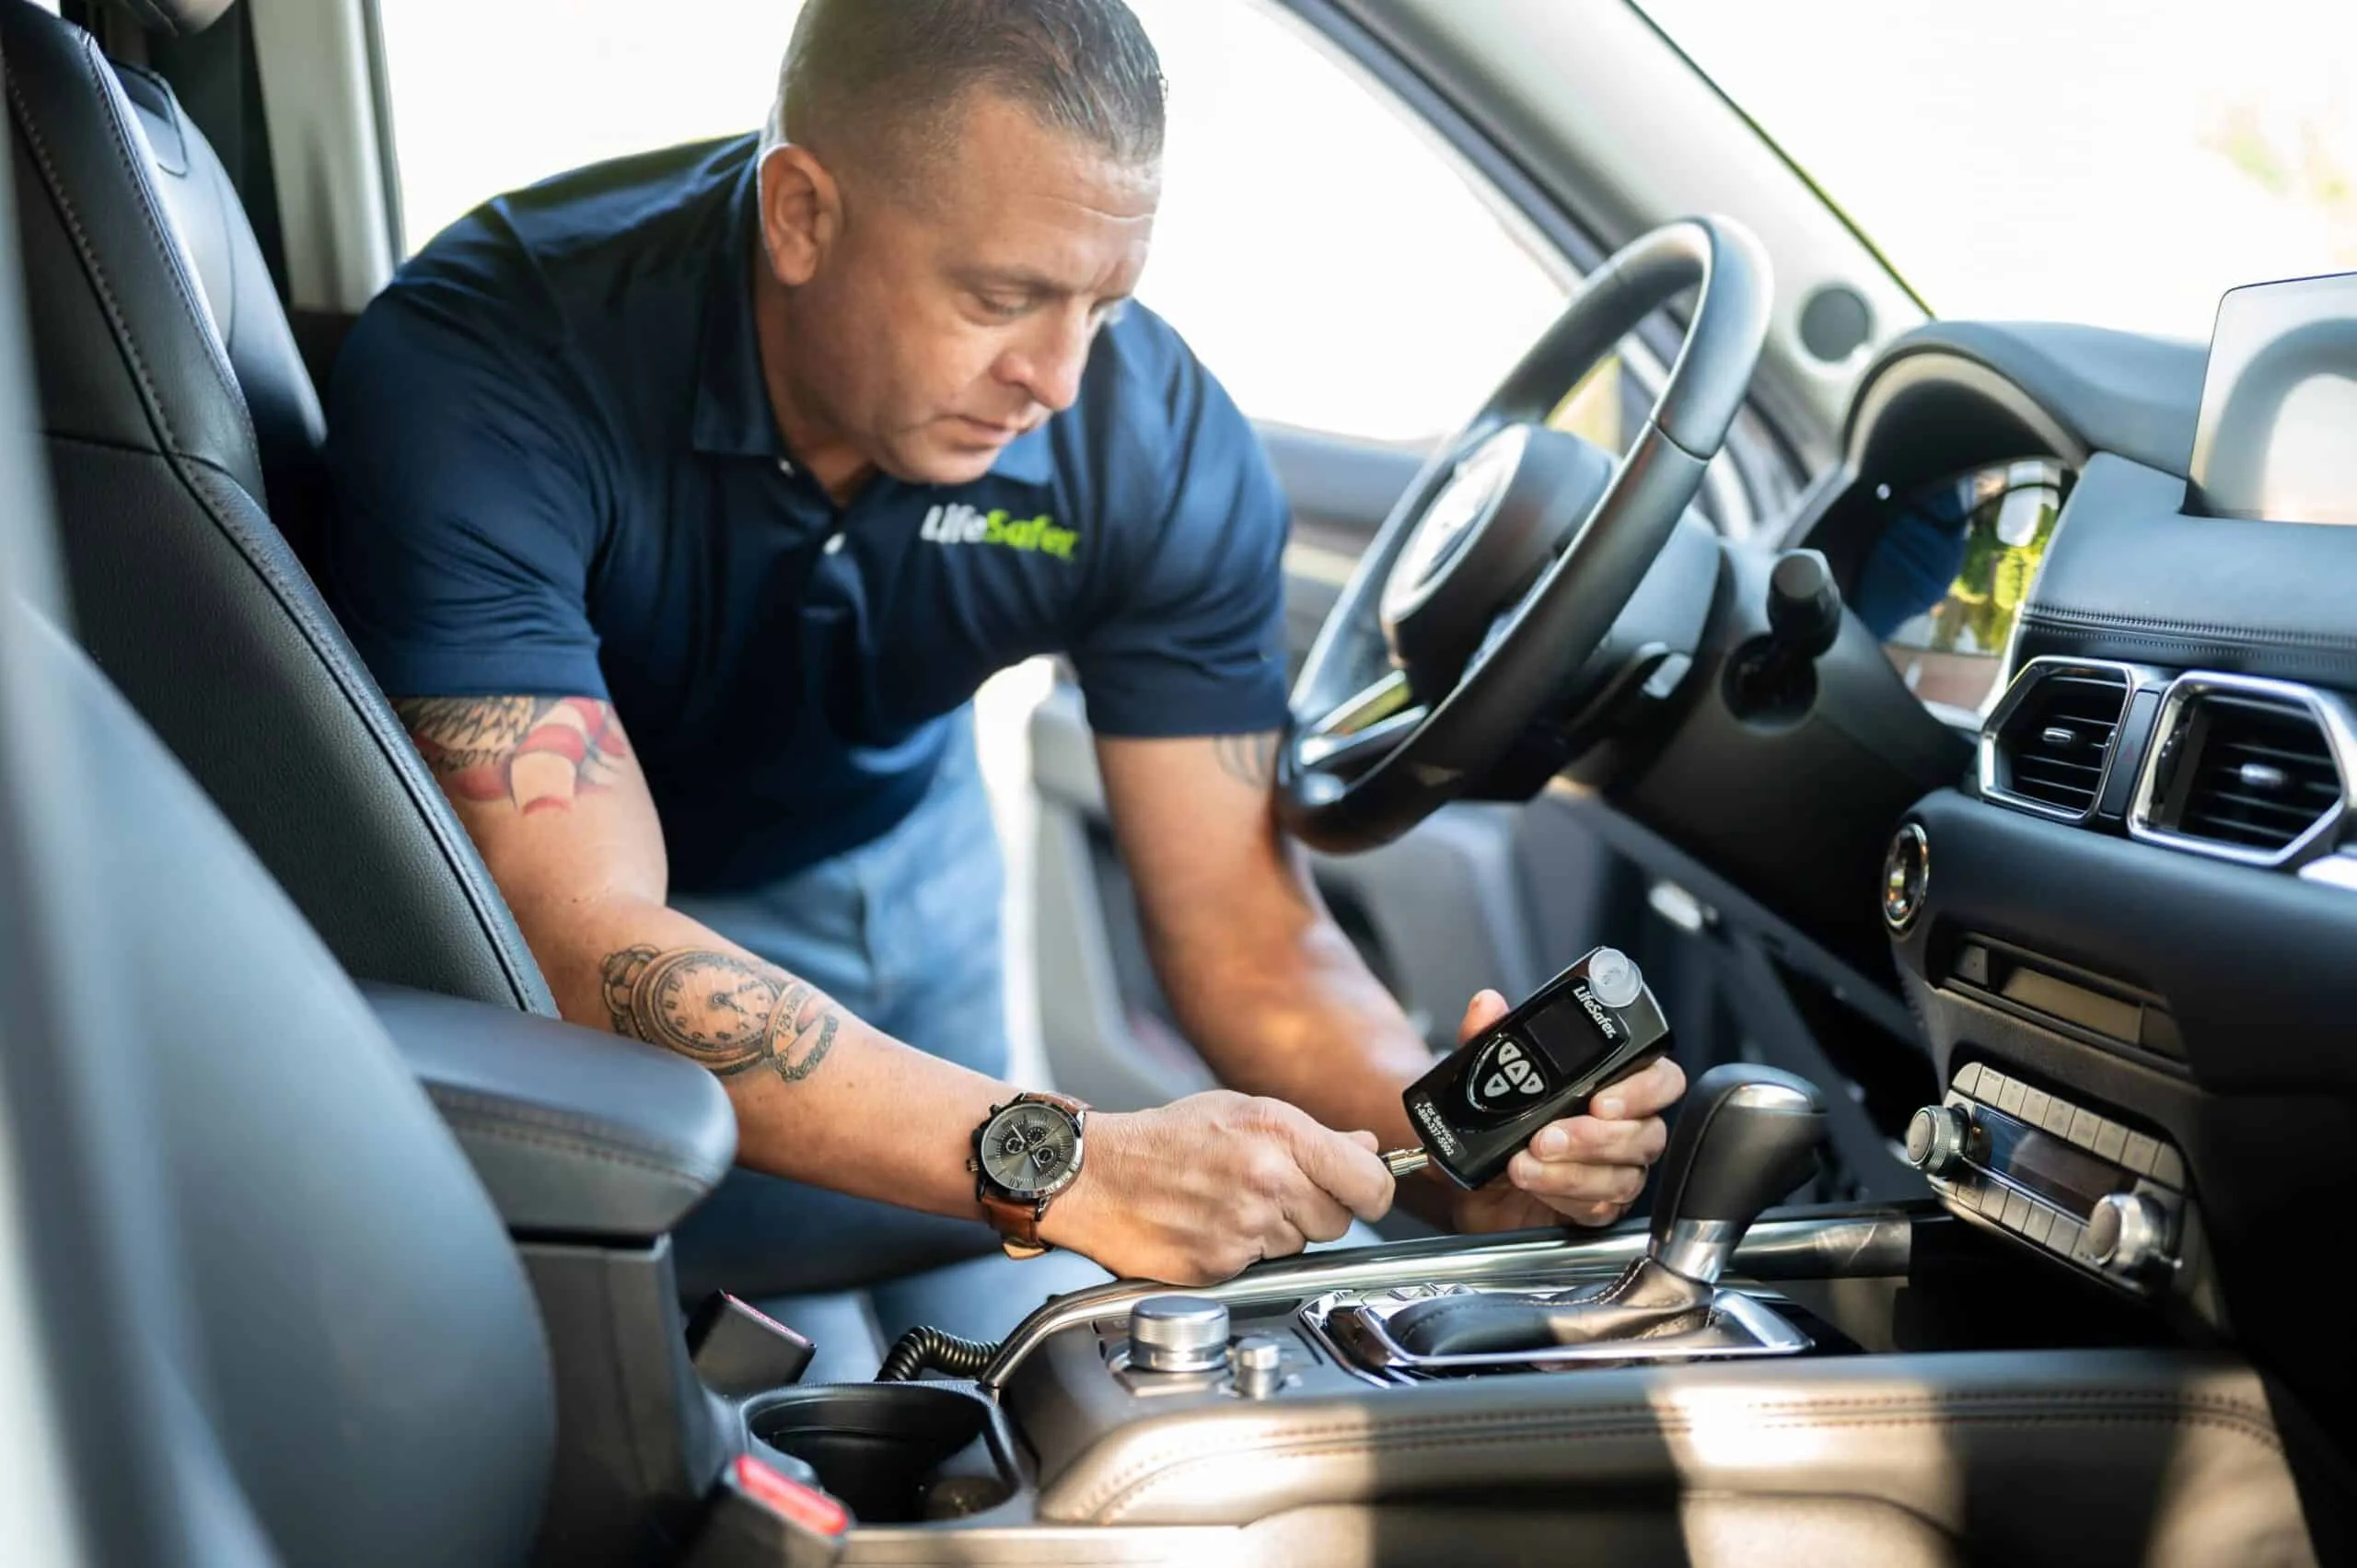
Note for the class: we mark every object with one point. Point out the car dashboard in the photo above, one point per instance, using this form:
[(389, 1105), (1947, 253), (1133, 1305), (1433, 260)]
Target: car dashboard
[(2127, 933)]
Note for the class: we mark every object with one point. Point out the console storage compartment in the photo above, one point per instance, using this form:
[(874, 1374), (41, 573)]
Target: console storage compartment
[(895, 1453)]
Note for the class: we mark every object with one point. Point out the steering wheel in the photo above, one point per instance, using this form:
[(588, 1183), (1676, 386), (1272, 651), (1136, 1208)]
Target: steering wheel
[(1504, 566)]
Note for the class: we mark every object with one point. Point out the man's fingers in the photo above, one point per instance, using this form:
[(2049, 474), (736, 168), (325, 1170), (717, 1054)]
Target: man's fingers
[(1366, 1141), (1590, 1142), (1648, 1092), (1346, 1168), (1486, 1008), (1316, 1216), (1568, 1181)]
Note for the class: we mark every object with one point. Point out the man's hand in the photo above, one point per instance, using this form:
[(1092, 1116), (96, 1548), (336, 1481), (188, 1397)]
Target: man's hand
[(1587, 1170), (1207, 1186)]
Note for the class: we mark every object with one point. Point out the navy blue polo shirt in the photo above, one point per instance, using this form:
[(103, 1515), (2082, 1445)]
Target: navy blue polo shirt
[(557, 473)]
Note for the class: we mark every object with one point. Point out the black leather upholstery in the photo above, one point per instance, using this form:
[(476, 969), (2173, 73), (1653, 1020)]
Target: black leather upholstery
[(184, 591), (357, 1336), (236, 288), (575, 1131)]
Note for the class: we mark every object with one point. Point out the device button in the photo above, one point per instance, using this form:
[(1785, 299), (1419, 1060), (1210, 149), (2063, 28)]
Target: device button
[(2059, 1113), (2168, 1167), (2034, 1105), (2041, 1226), (2009, 1100), (1968, 1078), (1993, 1085), (2065, 1238), (2137, 1153), (2111, 1140), (2016, 1214), (2083, 1125)]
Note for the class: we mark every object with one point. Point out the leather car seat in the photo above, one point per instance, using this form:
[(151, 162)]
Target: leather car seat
[(351, 1370), (176, 418), (146, 366)]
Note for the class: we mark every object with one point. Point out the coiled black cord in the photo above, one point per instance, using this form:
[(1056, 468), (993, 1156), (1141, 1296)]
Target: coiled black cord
[(923, 1347)]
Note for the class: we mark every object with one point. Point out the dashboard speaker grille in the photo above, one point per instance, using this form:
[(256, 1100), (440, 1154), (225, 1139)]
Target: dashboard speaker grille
[(2054, 740), (2251, 770)]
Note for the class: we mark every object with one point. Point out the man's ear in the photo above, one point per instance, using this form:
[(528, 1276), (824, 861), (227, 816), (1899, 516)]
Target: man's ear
[(802, 213)]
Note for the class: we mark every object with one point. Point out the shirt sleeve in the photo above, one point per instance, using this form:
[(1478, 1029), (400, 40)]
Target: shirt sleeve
[(1193, 640), (467, 504)]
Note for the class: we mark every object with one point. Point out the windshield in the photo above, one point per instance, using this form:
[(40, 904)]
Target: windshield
[(2119, 162)]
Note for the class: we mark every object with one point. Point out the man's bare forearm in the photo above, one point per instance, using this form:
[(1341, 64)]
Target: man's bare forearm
[(1298, 1016), (553, 796), (811, 1081)]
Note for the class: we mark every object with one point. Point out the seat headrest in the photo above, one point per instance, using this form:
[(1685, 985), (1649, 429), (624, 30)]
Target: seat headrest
[(174, 15)]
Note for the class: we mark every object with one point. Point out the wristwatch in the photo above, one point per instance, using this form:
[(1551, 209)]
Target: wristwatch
[(1026, 1151)]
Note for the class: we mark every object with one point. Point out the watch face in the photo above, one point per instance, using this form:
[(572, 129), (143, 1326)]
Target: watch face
[(1030, 1149)]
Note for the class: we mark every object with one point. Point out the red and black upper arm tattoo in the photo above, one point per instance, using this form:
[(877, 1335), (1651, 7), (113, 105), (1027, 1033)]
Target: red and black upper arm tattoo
[(537, 753)]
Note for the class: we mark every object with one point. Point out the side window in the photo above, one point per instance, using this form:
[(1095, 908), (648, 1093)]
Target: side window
[(486, 97), (1324, 255)]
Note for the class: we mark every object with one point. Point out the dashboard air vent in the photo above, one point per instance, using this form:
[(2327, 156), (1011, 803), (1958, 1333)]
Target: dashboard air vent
[(2251, 770), (2048, 743)]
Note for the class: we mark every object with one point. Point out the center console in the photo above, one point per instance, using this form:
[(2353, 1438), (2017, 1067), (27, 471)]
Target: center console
[(1826, 1384)]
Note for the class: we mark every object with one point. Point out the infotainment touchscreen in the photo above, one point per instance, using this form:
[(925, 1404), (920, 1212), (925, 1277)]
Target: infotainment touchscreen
[(2277, 437)]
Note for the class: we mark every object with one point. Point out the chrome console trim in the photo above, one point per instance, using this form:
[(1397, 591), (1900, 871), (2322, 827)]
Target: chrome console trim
[(1699, 1248), (1833, 1244), (1354, 1325), (2334, 716)]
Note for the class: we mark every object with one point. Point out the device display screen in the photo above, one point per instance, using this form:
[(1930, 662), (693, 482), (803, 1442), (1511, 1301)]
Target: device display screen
[(2278, 404), (2071, 1178)]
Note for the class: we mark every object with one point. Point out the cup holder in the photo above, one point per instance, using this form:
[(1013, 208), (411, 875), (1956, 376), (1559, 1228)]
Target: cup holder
[(895, 1453)]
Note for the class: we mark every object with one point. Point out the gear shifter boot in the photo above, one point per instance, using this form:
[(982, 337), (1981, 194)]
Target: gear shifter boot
[(1646, 1300)]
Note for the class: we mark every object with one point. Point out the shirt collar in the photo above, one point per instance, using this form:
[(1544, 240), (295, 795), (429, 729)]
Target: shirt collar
[(733, 416)]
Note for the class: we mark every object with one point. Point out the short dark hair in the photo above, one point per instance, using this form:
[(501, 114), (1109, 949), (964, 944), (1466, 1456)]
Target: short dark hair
[(884, 80)]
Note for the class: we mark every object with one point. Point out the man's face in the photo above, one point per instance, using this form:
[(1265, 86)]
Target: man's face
[(944, 320)]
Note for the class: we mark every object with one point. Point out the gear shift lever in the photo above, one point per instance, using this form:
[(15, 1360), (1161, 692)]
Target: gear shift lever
[(1747, 1136)]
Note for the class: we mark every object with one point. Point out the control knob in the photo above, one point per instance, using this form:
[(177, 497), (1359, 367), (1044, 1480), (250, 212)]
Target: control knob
[(1178, 1333), (2127, 1233), (1935, 1139)]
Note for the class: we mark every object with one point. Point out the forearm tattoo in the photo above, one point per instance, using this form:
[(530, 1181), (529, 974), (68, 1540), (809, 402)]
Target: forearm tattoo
[(535, 753), (1248, 759), (729, 1014)]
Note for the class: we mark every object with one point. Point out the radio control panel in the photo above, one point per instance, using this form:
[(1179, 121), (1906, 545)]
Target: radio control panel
[(2071, 1182)]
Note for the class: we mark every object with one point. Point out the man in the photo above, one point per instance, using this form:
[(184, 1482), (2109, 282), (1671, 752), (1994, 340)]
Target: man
[(685, 501)]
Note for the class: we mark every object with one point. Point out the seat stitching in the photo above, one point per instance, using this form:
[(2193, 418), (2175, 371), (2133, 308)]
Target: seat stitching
[(497, 1127), (1118, 1497), (490, 1107), (1634, 1417), (2163, 628)]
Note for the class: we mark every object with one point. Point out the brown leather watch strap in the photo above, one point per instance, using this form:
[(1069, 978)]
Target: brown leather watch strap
[(1018, 1224)]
